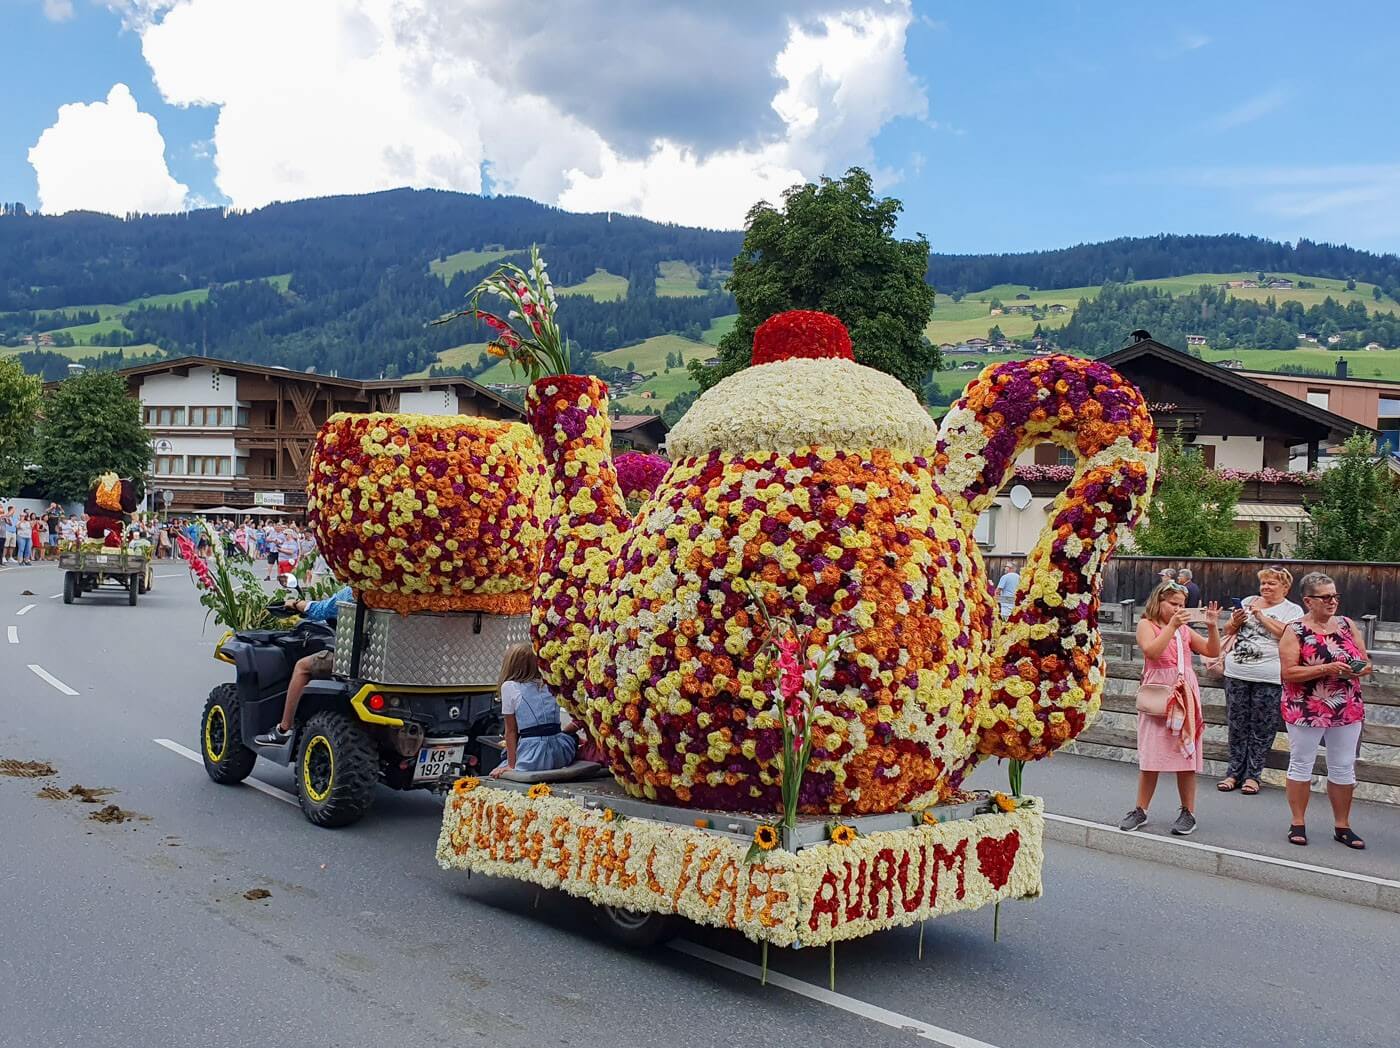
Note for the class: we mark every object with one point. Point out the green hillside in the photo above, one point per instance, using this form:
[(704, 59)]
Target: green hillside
[(467, 261), (972, 317), (678, 278), (112, 318), (602, 286)]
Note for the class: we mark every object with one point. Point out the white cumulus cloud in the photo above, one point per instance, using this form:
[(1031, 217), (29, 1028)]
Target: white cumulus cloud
[(104, 156), (657, 107)]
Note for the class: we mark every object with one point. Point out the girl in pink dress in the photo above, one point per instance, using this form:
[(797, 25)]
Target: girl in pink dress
[(1172, 742)]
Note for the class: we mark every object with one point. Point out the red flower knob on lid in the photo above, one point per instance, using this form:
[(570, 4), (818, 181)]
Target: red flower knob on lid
[(801, 334)]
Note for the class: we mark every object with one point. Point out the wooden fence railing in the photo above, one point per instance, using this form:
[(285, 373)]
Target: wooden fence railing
[(1379, 765)]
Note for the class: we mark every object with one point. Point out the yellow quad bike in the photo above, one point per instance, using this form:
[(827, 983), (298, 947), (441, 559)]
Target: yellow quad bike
[(402, 707)]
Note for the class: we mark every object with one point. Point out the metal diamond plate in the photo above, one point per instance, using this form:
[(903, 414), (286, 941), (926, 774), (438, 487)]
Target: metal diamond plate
[(428, 649)]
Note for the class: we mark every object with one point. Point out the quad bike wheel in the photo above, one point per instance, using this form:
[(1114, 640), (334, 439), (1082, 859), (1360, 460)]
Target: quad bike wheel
[(226, 759), (133, 587), (337, 770), (633, 928), (70, 587)]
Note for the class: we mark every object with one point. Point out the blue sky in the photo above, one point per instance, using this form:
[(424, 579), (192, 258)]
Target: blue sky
[(1001, 126)]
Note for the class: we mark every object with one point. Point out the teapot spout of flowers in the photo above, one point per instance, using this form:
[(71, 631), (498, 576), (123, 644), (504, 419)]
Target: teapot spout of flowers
[(822, 488)]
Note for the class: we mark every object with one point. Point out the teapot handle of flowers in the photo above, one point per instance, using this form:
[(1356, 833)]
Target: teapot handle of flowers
[(1039, 698)]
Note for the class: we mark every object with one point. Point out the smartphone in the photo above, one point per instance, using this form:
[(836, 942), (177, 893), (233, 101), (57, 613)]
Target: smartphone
[(1357, 665), (1197, 616), (1237, 603)]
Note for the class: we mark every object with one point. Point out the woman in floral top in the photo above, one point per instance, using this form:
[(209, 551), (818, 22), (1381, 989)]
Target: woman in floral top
[(1322, 660)]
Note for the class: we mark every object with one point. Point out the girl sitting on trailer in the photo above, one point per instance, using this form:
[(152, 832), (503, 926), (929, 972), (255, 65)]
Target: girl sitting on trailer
[(535, 740)]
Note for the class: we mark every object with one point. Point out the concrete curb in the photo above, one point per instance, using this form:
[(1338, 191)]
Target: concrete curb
[(1357, 888)]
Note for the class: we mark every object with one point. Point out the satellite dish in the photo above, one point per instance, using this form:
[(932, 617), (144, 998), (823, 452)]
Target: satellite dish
[(1020, 496)]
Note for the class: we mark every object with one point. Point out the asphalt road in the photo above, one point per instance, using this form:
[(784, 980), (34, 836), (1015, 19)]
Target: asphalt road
[(139, 934)]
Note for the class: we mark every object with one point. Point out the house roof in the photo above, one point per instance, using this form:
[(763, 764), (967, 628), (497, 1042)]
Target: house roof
[(183, 365), (1340, 426), (625, 422)]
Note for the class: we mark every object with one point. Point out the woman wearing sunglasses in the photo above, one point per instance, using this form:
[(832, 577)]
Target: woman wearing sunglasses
[(1322, 660)]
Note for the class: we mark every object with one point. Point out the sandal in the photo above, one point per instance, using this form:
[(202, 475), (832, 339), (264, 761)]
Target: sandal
[(1298, 835), (1344, 835), (1250, 787), (1227, 784)]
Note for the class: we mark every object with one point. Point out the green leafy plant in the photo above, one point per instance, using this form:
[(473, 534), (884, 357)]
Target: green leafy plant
[(230, 592), (527, 335)]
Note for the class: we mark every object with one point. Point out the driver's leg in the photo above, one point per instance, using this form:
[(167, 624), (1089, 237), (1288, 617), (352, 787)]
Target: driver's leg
[(307, 669)]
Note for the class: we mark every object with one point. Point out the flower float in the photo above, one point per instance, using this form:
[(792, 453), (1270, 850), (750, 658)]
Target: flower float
[(816, 896), (823, 486), (428, 512)]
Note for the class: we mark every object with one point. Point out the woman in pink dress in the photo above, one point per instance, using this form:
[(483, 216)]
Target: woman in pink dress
[(1171, 742)]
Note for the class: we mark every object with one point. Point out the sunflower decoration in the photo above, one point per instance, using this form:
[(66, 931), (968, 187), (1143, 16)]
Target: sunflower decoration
[(842, 834), (609, 815), (765, 839), (1004, 802), (927, 817), (465, 785), (538, 790)]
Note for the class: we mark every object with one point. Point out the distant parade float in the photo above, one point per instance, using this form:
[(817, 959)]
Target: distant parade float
[(428, 512)]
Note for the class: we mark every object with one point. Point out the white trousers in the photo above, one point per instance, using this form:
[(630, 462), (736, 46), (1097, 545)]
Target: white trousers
[(1303, 743)]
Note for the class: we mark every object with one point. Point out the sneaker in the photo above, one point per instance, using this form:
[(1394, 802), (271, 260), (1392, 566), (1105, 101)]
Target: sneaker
[(276, 737), (1133, 819), (1185, 824)]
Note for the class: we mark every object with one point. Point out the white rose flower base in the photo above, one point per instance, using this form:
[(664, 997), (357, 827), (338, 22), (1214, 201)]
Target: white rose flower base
[(819, 895)]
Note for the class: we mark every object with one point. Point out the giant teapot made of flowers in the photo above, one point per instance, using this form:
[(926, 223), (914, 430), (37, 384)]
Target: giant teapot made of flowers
[(823, 488)]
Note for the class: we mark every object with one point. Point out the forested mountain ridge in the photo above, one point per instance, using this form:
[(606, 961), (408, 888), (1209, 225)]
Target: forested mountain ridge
[(348, 284), (1166, 255), (360, 292)]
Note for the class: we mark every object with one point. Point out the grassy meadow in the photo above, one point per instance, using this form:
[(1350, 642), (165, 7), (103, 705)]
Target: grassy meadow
[(678, 279), (465, 262), (602, 286)]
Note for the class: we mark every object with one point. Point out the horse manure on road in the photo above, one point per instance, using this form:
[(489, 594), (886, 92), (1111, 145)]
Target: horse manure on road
[(254, 894), (53, 793), (111, 813), (90, 795), (26, 769)]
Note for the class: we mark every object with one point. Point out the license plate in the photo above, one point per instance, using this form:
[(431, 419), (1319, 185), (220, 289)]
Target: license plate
[(434, 761)]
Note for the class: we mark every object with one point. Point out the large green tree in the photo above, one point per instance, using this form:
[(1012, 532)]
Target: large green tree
[(1192, 512), (832, 247), (19, 406), (91, 425), (1355, 511)]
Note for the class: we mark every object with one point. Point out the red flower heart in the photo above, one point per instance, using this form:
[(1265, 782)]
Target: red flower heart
[(996, 856)]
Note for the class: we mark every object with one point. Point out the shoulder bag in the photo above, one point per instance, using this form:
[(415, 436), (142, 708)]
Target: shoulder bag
[(1153, 699)]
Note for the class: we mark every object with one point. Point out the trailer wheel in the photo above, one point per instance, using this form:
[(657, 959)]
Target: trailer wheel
[(632, 928), (70, 588), (133, 587)]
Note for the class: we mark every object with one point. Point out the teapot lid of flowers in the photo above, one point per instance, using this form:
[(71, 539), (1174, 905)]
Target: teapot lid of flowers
[(804, 389)]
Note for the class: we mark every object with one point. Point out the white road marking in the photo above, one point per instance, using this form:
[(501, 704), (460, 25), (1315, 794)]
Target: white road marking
[(12, 634), (261, 787), (927, 1031), (47, 677), (174, 576), (24, 610), (55, 596), (1254, 856)]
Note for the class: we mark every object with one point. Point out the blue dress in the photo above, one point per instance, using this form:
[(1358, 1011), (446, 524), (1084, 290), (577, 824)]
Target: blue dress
[(536, 712)]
